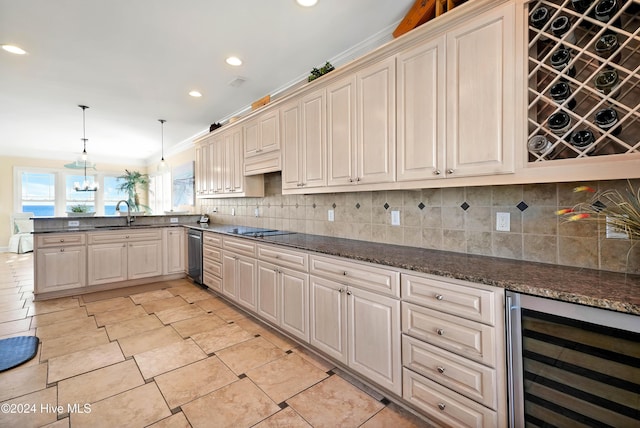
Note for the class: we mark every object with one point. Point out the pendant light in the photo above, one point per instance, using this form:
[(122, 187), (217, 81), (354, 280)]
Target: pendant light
[(163, 164), (86, 186)]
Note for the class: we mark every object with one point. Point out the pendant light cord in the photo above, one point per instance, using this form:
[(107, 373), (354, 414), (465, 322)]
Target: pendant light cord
[(162, 121)]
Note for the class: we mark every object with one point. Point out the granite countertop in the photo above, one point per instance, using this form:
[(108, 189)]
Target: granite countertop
[(602, 289)]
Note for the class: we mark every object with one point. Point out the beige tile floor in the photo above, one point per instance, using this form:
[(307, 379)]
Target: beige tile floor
[(172, 356)]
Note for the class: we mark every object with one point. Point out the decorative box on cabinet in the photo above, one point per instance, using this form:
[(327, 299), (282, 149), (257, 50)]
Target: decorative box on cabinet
[(577, 72)]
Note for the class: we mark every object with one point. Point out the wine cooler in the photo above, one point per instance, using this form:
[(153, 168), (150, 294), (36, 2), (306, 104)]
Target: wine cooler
[(572, 365)]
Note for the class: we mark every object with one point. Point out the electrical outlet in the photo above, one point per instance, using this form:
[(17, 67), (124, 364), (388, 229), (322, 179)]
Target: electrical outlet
[(173, 220), (395, 218), (612, 232), (257, 212), (331, 215), (214, 210), (74, 223), (503, 222), (233, 211)]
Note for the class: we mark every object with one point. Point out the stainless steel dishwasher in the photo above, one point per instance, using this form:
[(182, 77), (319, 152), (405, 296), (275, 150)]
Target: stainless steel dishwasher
[(194, 255)]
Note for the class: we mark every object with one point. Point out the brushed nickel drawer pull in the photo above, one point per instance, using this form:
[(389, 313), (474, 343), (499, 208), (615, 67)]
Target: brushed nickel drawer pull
[(62, 240), (441, 406), (62, 250), (440, 332), (439, 297), (440, 369)]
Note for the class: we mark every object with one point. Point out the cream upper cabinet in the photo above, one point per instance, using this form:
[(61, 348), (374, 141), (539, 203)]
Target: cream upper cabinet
[(304, 142), (262, 144), (219, 167), (421, 107), (341, 131), (481, 94), (376, 123), (361, 126)]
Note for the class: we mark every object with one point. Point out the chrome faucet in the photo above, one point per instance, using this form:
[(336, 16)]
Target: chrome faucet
[(129, 218)]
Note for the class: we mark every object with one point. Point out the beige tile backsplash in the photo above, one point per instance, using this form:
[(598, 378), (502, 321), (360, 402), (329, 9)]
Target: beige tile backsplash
[(536, 233)]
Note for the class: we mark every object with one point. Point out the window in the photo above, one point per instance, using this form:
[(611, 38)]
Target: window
[(112, 195), (160, 193), (38, 193)]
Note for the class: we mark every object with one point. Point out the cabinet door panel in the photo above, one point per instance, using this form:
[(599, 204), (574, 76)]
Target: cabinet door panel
[(175, 251), (60, 268), (251, 144), (229, 275), (294, 303), (341, 125), (291, 146), (269, 132), (217, 165), (144, 259), (374, 338), (421, 104), (107, 263), (328, 318), (267, 281), (481, 94), (246, 282), (313, 120), (376, 136)]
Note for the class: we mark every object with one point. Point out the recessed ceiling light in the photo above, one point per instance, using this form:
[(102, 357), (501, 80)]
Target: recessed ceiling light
[(14, 49), (307, 3), (234, 60), (195, 94)]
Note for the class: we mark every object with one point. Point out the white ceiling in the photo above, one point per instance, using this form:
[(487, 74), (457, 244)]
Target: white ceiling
[(134, 62)]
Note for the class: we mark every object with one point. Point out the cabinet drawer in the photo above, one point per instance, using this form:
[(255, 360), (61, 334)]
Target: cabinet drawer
[(239, 246), (365, 276), (111, 237), (285, 258), (463, 337), (213, 254), (212, 268), (212, 239), (464, 376), (444, 405), (59, 239), (453, 298), (213, 282)]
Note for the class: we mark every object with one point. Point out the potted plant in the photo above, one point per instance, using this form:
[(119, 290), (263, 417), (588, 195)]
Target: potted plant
[(132, 182), (79, 210)]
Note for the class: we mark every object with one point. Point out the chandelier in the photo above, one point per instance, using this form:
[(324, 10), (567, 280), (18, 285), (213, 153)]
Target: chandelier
[(85, 186)]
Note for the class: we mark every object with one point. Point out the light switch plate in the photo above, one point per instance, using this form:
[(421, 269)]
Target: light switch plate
[(503, 222), (74, 223), (233, 211), (173, 220), (395, 218), (331, 215), (256, 212)]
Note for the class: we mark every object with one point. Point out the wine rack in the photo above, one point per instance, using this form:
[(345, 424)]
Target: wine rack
[(584, 64)]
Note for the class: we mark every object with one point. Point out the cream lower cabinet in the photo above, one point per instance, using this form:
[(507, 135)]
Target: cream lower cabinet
[(174, 250), (358, 328), (212, 260), (239, 271), (453, 351), (115, 257), (60, 262), (283, 298)]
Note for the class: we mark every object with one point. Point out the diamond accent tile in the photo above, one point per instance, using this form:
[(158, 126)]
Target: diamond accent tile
[(334, 205), (465, 206), (386, 206), (421, 205), (313, 205), (522, 206), (358, 206)]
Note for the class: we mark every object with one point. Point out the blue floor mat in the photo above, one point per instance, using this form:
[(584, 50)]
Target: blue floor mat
[(16, 350)]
